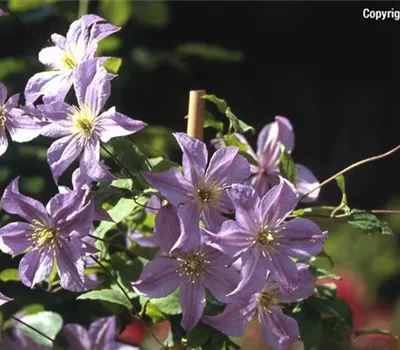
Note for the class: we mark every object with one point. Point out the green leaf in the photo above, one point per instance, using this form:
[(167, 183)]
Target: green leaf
[(108, 295), (25, 5), (47, 322), (116, 12), (360, 332), (10, 66), (169, 305), (220, 103), (239, 126), (125, 184), (287, 167), (211, 122), (210, 52), (154, 313), (127, 269), (151, 13), (108, 45), (310, 326), (342, 186), (129, 155), (123, 208), (8, 275), (368, 222), (113, 64), (321, 273), (198, 335)]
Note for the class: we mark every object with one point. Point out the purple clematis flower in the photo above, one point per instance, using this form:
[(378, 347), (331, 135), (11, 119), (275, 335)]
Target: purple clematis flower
[(200, 192), (4, 299), (21, 127), (277, 329), (266, 174), (82, 128), (69, 52), (264, 240), (100, 336), (17, 339), (192, 271), (51, 233)]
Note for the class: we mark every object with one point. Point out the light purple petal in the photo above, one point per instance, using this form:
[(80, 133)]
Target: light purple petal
[(51, 56), (167, 227), (12, 102), (158, 278), (233, 320), (4, 299), (52, 84), (213, 219), (3, 94), (246, 203), (253, 274), (113, 124), (306, 181), (278, 203), (305, 288), (62, 153), (14, 237), (301, 238), (58, 40), (70, 265), (35, 266), (283, 271), (90, 164), (193, 300), (16, 203), (3, 142), (102, 30), (189, 218), (268, 150), (195, 156), (171, 184), (143, 240), (227, 167), (21, 127), (250, 150), (264, 181), (102, 333), (221, 280), (277, 329), (56, 111), (77, 337), (286, 135)]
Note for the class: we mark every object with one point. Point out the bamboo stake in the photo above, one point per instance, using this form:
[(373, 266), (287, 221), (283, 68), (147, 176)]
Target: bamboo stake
[(196, 114)]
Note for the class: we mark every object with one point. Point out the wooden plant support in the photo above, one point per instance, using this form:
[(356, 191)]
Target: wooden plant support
[(196, 114)]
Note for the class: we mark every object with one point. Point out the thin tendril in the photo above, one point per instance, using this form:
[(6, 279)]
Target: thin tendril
[(117, 161), (33, 329), (350, 167)]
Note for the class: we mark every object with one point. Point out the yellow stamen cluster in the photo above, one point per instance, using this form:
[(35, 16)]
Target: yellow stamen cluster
[(269, 297), (208, 195), (193, 266), (70, 57), (43, 235), (3, 116), (84, 121)]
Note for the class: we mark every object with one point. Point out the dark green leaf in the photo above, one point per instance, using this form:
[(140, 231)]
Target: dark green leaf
[(151, 13), (9, 275), (310, 326), (169, 305), (116, 12), (198, 335), (108, 295), (211, 122), (209, 52), (287, 167), (49, 323), (129, 155), (321, 273), (360, 332), (113, 64), (368, 222), (239, 126), (220, 103), (342, 186), (123, 208)]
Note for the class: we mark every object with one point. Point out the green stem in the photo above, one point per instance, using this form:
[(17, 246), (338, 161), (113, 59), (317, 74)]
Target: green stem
[(83, 8), (350, 167)]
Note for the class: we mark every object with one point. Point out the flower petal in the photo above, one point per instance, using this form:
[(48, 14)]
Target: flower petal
[(52, 84), (195, 156), (28, 208), (253, 274), (3, 142), (278, 203), (268, 150), (246, 203), (12, 102), (167, 227), (221, 280), (21, 127), (227, 167), (305, 288), (233, 320), (4, 299), (76, 336), (51, 56), (113, 124), (286, 135), (283, 271), (171, 184), (102, 332), (193, 300), (277, 329), (56, 111), (58, 40), (306, 181), (189, 218), (14, 237), (3, 94), (213, 219), (62, 153), (301, 238), (70, 265), (35, 266), (158, 278)]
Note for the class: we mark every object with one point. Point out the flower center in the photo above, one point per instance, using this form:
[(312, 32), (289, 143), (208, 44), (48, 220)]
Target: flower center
[(208, 195), (269, 297), (193, 266), (84, 121), (266, 237), (3, 116), (43, 235), (71, 57)]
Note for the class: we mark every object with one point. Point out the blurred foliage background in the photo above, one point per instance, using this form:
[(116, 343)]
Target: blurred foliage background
[(333, 73)]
